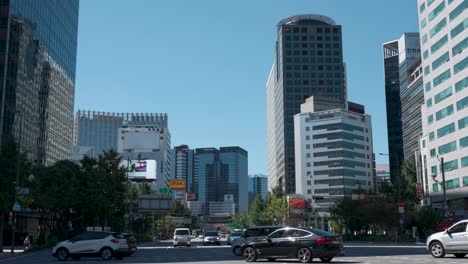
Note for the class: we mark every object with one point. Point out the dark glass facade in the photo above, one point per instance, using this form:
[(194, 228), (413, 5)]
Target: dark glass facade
[(308, 61), (38, 46)]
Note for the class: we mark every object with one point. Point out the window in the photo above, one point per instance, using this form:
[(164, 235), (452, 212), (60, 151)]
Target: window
[(307, 128), (428, 86), (429, 2), (427, 70), (425, 54), (296, 233), (436, 11), (460, 66), (424, 143), (307, 155), (461, 84), (462, 123), (452, 184), (438, 27), (422, 7), (457, 49), (447, 148), (462, 103), (465, 181), (464, 142), (459, 28), (439, 44), (307, 137), (431, 136), (434, 171), (441, 78), (443, 95), (458, 10), (430, 119), (277, 234), (429, 102), (423, 25), (451, 165), (307, 146), (445, 130), (464, 161), (435, 187), (445, 112), (433, 153), (440, 61)]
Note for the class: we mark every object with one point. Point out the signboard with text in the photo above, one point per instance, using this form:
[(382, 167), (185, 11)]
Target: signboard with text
[(177, 185)]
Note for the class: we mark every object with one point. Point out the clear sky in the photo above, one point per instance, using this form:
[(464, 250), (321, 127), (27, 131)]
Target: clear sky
[(206, 62)]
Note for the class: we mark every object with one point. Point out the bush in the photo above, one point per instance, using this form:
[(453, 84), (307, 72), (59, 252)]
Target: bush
[(143, 238)]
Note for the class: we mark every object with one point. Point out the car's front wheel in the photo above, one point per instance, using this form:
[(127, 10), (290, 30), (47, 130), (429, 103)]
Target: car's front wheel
[(236, 250), (106, 253), (437, 250), (459, 255), (62, 254), (249, 254), (326, 259), (304, 255)]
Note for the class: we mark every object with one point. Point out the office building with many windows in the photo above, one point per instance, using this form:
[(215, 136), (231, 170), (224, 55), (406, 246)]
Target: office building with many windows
[(258, 185), (38, 47), (308, 61), (444, 38), (334, 156)]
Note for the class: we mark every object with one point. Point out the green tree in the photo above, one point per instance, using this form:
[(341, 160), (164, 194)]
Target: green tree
[(427, 219), (258, 214), (240, 221), (178, 209), (277, 205), (408, 181)]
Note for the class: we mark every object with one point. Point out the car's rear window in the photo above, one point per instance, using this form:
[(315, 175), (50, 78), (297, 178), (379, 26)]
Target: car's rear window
[(321, 232), (211, 234), (118, 235), (182, 232), (235, 234)]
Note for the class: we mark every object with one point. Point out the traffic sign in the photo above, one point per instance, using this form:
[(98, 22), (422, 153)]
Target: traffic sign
[(401, 207), (16, 207)]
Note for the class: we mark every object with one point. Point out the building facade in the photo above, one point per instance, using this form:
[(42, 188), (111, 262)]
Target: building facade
[(399, 56), (258, 185), (38, 46), (444, 38), (222, 173), (308, 61), (334, 157), (183, 167)]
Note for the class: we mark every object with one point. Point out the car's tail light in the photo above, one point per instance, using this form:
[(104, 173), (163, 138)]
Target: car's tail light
[(115, 241), (323, 241)]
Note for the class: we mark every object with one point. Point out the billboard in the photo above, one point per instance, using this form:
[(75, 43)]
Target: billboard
[(191, 196), (177, 185), (409, 47), (142, 140), (140, 169)]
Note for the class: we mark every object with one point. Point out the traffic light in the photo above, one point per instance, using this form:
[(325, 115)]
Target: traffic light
[(315, 198), (10, 218)]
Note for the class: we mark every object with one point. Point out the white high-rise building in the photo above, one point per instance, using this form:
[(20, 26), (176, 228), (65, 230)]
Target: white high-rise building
[(442, 25), (334, 158)]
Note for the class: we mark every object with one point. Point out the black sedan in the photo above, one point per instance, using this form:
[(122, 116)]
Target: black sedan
[(301, 243)]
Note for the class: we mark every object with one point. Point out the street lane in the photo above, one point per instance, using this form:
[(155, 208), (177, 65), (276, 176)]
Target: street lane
[(165, 253)]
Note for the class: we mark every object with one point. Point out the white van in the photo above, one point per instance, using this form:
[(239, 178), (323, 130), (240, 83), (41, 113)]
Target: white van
[(182, 237)]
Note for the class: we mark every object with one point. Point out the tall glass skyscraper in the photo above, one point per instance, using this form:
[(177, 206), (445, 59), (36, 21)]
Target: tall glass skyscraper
[(38, 46), (308, 61)]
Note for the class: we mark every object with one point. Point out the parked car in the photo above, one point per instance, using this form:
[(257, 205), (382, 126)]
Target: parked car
[(89, 244), (454, 241), (132, 243), (233, 236), (182, 237), (301, 243), (211, 237), (250, 234)]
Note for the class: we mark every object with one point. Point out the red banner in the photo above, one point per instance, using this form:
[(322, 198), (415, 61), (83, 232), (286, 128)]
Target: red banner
[(299, 204)]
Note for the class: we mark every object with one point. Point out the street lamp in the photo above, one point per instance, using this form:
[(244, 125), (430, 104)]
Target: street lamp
[(442, 171)]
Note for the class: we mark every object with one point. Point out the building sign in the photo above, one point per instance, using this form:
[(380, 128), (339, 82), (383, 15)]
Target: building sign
[(408, 48), (191, 196), (177, 185), (140, 169), (228, 197)]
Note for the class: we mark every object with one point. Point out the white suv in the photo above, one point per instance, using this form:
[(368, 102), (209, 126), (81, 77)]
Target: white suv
[(103, 244), (454, 241), (182, 237)]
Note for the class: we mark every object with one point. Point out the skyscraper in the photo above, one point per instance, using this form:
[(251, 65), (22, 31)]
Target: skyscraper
[(308, 61), (183, 167), (258, 185), (444, 38), (399, 57), (38, 46)]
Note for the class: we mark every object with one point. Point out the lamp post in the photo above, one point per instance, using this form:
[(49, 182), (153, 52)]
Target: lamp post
[(442, 171)]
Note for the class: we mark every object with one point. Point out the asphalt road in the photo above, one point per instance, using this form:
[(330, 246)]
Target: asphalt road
[(165, 253)]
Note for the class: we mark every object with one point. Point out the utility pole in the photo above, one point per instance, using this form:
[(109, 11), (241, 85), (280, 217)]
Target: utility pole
[(442, 170), (18, 163)]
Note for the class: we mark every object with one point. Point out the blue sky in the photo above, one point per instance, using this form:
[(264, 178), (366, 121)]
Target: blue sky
[(205, 63)]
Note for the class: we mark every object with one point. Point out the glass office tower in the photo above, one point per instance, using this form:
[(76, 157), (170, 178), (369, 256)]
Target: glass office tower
[(308, 61), (38, 46)]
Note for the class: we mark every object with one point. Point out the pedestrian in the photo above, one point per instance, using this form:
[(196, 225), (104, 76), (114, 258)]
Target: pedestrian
[(27, 243)]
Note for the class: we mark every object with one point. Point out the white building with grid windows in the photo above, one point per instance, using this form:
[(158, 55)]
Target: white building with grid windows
[(444, 38)]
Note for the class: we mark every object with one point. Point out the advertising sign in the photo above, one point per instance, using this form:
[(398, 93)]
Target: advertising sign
[(141, 140), (191, 196), (140, 169), (177, 185)]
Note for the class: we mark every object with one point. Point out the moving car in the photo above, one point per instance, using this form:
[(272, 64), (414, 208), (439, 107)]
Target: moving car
[(233, 236), (454, 241), (253, 233), (182, 237), (211, 237), (89, 244), (132, 243), (301, 243)]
